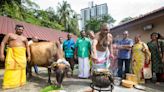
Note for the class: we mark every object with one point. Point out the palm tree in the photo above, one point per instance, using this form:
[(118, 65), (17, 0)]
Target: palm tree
[(68, 17), (64, 12)]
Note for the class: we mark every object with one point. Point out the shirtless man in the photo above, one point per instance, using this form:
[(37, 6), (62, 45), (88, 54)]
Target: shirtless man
[(15, 61), (102, 47)]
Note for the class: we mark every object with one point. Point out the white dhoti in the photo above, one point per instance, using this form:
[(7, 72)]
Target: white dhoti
[(84, 67), (103, 60)]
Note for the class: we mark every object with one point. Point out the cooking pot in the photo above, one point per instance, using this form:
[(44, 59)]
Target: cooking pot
[(102, 78)]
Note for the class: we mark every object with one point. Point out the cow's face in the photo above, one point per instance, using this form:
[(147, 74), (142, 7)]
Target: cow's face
[(60, 70), (60, 66)]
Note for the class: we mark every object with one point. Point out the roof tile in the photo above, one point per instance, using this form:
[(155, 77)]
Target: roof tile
[(7, 25)]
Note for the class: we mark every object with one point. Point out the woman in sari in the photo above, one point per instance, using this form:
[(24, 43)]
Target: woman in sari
[(157, 55), (139, 58)]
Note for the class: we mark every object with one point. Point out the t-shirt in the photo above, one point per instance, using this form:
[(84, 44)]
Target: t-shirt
[(68, 47), (84, 46)]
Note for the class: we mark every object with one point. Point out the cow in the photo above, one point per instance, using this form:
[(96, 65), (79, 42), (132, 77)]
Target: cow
[(50, 55)]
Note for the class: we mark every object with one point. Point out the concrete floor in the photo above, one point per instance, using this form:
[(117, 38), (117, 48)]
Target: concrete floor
[(71, 84)]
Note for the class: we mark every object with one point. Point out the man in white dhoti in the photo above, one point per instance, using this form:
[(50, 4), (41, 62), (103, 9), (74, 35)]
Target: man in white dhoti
[(102, 49), (82, 51)]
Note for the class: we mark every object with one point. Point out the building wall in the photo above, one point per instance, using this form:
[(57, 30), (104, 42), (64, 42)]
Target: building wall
[(145, 34)]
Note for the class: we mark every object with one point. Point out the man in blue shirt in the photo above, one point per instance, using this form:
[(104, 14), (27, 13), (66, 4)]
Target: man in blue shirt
[(124, 54), (68, 48)]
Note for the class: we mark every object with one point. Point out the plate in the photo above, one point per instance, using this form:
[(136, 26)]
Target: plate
[(140, 87)]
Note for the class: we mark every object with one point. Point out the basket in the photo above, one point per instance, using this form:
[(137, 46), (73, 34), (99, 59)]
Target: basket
[(131, 77), (127, 83)]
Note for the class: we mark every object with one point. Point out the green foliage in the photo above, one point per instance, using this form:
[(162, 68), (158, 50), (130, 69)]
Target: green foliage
[(94, 23), (107, 19), (126, 20), (68, 18), (12, 10), (50, 88), (28, 11)]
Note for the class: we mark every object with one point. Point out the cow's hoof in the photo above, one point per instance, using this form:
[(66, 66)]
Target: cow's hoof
[(50, 83), (59, 85), (29, 77)]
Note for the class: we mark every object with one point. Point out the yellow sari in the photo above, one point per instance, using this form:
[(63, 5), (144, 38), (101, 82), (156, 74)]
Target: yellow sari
[(138, 60), (15, 68)]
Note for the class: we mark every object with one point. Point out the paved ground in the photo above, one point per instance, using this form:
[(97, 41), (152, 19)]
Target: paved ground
[(71, 84)]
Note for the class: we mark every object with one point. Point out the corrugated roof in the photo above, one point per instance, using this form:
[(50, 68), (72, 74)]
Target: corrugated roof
[(7, 25)]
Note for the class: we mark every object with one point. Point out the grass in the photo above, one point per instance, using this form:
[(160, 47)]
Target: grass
[(50, 88)]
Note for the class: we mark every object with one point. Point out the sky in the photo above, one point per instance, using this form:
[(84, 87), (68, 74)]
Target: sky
[(118, 9)]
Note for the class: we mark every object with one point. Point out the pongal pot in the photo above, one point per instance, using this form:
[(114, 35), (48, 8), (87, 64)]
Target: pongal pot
[(102, 78)]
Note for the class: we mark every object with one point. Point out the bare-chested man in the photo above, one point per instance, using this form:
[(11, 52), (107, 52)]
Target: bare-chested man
[(102, 47), (15, 61)]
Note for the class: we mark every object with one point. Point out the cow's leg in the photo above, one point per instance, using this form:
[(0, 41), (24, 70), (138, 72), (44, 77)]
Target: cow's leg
[(29, 71), (49, 75)]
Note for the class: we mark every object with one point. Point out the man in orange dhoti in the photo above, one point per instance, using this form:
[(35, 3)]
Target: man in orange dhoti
[(15, 61)]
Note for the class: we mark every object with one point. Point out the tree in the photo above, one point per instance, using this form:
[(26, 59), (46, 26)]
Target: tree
[(73, 25), (53, 17), (107, 19), (126, 20), (15, 8), (28, 11), (64, 10), (11, 8), (94, 23), (67, 17)]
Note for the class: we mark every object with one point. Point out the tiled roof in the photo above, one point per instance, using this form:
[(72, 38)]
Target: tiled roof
[(7, 25)]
